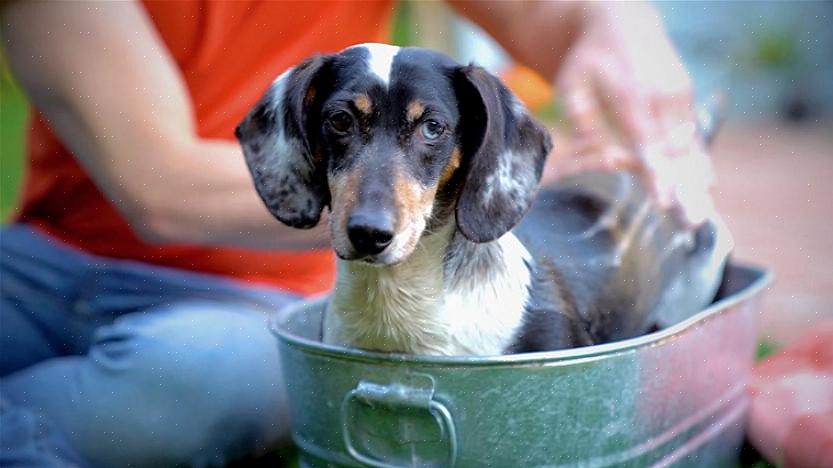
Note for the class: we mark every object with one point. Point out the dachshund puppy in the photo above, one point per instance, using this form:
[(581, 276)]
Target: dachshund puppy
[(428, 168)]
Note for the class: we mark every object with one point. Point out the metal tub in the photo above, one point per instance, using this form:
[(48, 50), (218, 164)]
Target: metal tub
[(676, 396)]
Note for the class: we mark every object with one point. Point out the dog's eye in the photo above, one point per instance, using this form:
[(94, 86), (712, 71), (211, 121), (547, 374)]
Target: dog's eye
[(341, 121), (431, 129)]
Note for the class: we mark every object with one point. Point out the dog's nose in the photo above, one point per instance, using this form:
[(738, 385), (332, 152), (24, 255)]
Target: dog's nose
[(369, 234)]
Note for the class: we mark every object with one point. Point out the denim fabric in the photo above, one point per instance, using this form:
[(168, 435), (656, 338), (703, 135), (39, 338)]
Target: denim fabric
[(111, 363)]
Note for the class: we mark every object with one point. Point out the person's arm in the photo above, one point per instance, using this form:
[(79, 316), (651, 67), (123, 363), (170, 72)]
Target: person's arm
[(109, 88), (535, 33), (612, 58)]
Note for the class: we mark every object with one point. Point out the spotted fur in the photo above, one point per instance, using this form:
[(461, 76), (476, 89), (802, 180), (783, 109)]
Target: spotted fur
[(457, 274)]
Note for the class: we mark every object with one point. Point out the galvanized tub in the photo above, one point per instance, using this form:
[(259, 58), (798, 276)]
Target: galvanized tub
[(676, 396)]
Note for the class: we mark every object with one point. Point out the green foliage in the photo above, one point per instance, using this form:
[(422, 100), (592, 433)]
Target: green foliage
[(403, 29), (13, 113), (765, 348), (774, 49), (551, 113)]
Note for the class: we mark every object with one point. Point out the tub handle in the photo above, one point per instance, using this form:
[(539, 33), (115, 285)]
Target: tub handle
[(396, 396)]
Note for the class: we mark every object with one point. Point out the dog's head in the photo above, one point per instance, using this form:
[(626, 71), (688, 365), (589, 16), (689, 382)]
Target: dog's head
[(396, 141)]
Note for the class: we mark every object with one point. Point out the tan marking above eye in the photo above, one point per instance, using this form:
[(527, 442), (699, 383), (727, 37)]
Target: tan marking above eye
[(415, 110), (362, 103)]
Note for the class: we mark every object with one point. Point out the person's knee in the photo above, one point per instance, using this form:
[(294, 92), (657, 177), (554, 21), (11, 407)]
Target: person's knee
[(206, 375)]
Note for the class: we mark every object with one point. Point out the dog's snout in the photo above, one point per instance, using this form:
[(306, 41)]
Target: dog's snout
[(370, 234)]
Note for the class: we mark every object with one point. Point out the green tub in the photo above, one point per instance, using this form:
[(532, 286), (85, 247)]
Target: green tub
[(673, 397)]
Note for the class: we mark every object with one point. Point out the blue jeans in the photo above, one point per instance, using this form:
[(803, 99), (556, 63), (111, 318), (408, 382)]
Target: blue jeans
[(113, 363)]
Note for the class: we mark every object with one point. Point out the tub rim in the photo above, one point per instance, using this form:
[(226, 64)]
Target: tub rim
[(557, 357)]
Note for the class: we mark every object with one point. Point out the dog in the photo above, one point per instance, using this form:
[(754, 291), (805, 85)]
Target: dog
[(430, 171)]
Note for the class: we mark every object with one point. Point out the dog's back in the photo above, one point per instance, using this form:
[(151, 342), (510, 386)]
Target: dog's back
[(619, 265)]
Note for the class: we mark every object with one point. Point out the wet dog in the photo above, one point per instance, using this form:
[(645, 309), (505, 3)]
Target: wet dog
[(445, 246)]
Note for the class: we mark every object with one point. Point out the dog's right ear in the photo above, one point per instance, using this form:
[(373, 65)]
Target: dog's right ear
[(288, 175)]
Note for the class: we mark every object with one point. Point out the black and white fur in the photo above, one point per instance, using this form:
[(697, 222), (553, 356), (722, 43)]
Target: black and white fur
[(435, 254)]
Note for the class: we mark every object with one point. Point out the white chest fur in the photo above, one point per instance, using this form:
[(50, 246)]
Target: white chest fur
[(412, 308)]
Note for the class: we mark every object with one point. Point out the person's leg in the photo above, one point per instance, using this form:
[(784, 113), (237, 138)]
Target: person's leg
[(28, 439), (40, 282), (194, 383), (156, 376)]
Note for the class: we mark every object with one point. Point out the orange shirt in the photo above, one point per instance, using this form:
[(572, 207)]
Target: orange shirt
[(228, 53)]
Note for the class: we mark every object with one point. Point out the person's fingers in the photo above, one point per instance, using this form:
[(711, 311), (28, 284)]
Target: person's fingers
[(630, 109), (657, 172), (681, 166), (617, 157), (694, 173), (579, 85), (656, 130), (583, 111), (686, 180), (692, 203), (679, 135), (607, 157), (639, 130), (584, 155), (578, 158), (675, 121)]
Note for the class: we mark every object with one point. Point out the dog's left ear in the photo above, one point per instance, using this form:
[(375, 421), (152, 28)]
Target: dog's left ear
[(504, 152), (276, 140)]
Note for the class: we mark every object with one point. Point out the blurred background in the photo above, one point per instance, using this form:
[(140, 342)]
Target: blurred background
[(774, 155)]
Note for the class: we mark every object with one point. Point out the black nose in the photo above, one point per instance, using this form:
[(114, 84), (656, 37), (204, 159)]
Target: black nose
[(369, 234)]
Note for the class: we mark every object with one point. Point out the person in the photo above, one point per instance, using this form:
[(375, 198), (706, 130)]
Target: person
[(139, 274)]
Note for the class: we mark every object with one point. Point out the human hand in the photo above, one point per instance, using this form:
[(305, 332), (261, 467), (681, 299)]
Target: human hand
[(622, 66)]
